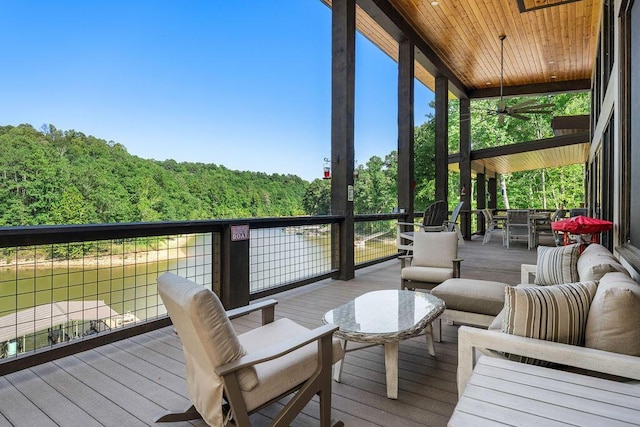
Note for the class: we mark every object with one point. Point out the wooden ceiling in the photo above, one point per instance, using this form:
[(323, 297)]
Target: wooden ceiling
[(568, 149), (549, 47)]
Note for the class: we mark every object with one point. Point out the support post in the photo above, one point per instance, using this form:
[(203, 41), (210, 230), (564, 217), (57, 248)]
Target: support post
[(406, 151), (442, 137), (481, 200), (492, 189), (465, 167), (343, 42), (235, 266)]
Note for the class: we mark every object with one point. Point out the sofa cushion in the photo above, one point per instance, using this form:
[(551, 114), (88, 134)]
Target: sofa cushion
[(553, 313), (614, 317), (496, 325), (557, 265), (437, 249), (278, 375), (596, 261), (473, 296), (426, 274)]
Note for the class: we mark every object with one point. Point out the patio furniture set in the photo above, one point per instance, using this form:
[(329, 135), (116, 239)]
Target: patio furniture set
[(563, 318), (582, 311), (531, 224)]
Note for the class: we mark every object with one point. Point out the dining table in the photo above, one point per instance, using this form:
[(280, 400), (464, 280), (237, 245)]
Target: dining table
[(535, 218)]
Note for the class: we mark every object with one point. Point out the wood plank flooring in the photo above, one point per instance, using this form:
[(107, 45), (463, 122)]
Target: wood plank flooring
[(130, 382)]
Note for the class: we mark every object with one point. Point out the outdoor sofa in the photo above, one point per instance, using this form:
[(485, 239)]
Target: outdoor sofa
[(589, 324), (479, 302)]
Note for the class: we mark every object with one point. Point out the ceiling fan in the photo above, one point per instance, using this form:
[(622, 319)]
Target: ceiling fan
[(519, 110)]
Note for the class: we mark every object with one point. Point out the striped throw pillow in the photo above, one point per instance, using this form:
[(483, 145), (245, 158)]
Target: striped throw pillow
[(553, 313), (557, 265)]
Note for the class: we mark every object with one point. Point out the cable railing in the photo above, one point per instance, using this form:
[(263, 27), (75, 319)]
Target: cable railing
[(66, 287), (50, 294)]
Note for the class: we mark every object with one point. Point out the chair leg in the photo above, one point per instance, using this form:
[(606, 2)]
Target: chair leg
[(189, 413), (325, 400)]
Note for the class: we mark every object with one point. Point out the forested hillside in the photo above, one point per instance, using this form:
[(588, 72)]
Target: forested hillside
[(49, 176)]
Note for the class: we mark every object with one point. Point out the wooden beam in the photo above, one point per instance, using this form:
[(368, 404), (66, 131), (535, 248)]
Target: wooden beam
[(532, 89), (481, 199), (562, 125), (492, 190), (539, 144), (343, 40), (406, 127), (465, 168), (442, 138)]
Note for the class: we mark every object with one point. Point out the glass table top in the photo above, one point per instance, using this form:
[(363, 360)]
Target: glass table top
[(385, 315)]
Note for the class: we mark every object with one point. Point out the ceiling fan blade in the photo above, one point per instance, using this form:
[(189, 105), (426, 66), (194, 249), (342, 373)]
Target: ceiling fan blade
[(529, 111), (524, 104), (547, 104), (520, 116), (530, 108), (501, 119)]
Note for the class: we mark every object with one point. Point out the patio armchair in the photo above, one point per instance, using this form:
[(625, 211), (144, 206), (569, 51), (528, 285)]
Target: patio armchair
[(433, 219), (248, 371), (434, 260), (490, 225), (543, 227)]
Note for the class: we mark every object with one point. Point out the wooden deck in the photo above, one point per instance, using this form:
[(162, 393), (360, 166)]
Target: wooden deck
[(132, 381)]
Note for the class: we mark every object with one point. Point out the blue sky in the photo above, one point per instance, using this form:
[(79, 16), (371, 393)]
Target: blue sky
[(244, 84)]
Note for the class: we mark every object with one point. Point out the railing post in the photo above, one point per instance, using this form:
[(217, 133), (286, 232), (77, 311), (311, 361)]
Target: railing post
[(343, 39), (234, 265)]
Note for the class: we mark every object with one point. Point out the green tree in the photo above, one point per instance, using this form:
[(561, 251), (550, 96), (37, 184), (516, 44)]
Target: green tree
[(317, 198)]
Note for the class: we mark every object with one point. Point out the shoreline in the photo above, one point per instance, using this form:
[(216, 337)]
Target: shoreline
[(171, 249)]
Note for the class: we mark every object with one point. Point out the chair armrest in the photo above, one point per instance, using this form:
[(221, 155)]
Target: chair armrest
[(267, 307), (277, 350), (406, 223), (470, 339), (525, 271), (403, 260), (431, 227)]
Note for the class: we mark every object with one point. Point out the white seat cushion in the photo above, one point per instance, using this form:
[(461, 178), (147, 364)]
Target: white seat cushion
[(473, 296), (427, 274), (277, 376)]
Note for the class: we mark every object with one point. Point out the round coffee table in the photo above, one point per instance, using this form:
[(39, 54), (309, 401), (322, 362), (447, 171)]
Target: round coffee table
[(385, 317)]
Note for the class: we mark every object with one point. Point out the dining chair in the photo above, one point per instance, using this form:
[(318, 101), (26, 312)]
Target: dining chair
[(518, 224), (490, 225)]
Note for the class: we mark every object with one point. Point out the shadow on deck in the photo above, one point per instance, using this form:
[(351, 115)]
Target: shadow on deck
[(130, 382)]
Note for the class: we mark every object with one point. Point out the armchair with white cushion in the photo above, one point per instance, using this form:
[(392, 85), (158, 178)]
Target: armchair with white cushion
[(434, 260), (248, 371)]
